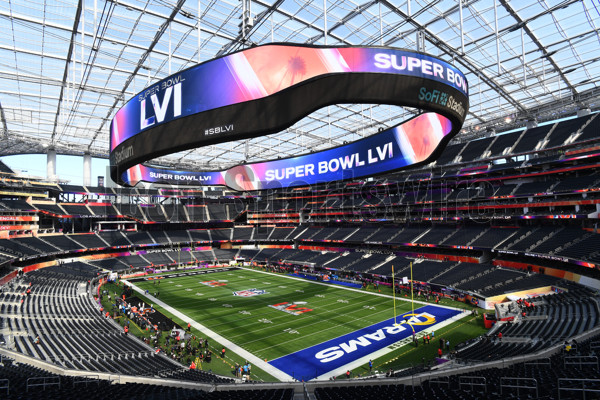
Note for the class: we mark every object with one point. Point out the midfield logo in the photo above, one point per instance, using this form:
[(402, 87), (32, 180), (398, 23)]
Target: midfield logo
[(249, 292), (291, 308), (213, 283)]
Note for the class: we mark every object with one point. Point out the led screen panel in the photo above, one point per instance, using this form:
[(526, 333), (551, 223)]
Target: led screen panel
[(406, 144), (266, 89)]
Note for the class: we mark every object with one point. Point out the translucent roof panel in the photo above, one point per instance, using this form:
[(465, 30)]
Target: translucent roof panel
[(67, 66)]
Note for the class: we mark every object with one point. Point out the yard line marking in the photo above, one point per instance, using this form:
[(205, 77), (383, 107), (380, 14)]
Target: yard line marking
[(283, 320), (258, 361), (350, 289), (266, 301), (275, 372)]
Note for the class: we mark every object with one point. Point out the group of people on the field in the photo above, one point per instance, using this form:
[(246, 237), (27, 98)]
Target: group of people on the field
[(243, 371), (185, 348)]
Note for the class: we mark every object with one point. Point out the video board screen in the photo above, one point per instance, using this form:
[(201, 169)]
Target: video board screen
[(406, 144), (265, 89)]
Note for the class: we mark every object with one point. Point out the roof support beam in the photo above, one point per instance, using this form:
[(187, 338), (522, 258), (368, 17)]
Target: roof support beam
[(3, 121), (91, 36), (458, 57), (141, 61), (67, 63), (540, 46)]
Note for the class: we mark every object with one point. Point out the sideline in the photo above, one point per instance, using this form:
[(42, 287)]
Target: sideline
[(277, 373), (282, 376), (386, 350), (360, 362), (353, 290)]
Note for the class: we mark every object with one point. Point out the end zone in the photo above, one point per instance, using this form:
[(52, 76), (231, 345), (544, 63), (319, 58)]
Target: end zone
[(335, 356)]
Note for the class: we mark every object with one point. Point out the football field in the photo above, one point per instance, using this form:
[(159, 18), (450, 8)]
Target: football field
[(303, 329)]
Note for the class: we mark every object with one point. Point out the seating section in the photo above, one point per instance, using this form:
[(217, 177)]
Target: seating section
[(63, 242), (577, 183), (73, 188), (200, 235), (283, 233), (436, 235), (175, 212), (21, 205), (543, 379), (532, 188), (503, 142), (89, 240), (17, 248), (115, 238), (131, 210), (497, 281), (560, 237), (492, 237), (475, 149), (111, 264), (196, 213), (587, 249), (590, 131), (76, 209), (242, 233), (564, 129), (37, 244), (51, 208), (530, 140), (449, 154), (221, 234), (102, 209), (73, 334), (178, 236), (217, 212), (534, 237), (26, 381), (154, 212), (551, 319)]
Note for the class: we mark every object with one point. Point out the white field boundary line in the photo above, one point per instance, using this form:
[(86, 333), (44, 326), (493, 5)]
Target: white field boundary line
[(352, 289), (282, 376), (307, 335), (381, 352), (282, 318), (284, 322)]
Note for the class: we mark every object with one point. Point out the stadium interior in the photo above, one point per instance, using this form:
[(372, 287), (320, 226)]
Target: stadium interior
[(504, 221)]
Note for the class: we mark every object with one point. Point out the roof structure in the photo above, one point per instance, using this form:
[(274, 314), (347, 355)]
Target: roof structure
[(68, 65)]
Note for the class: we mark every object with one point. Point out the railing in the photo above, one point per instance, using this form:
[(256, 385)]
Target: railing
[(86, 379), (526, 384), (472, 383), (305, 391), (43, 381), (545, 362), (5, 386), (579, 386), (440, 381), (581, 362)]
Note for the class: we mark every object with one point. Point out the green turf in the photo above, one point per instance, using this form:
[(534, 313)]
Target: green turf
[(264, 331), (268, 333)]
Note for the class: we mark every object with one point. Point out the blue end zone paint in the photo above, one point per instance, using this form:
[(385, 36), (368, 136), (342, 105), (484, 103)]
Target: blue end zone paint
[(314, 278), (324, 357)]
